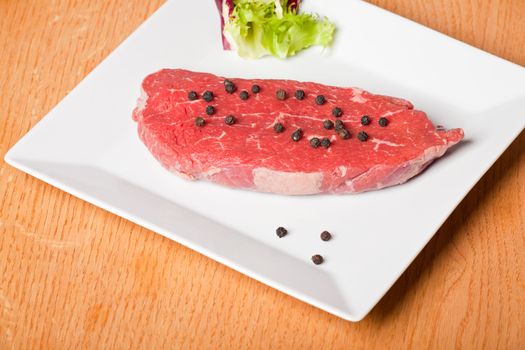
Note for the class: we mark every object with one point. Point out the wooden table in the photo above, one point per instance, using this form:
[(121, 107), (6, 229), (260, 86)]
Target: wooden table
[(73, 275)]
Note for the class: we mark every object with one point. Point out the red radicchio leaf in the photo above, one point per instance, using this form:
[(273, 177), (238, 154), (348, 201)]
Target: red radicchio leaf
[(229, 5), (293, 4)]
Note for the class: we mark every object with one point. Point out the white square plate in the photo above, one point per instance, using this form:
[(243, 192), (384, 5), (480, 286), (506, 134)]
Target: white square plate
[(88, 146)]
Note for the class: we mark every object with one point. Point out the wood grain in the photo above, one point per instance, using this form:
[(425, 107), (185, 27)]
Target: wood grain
[(75, 276)]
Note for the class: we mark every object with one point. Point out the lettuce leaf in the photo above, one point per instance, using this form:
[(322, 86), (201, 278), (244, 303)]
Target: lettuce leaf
[(256, 28)]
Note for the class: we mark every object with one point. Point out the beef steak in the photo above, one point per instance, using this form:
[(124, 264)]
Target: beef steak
[(250, 154)]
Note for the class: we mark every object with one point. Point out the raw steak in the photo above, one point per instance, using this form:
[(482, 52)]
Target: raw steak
[(250, 154)]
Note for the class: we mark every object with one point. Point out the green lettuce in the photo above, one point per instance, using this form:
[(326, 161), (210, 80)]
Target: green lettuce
[(268, 27)]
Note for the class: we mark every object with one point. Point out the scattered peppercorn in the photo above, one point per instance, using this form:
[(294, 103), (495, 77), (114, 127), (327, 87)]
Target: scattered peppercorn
[(326, 236), (281, 94), (320, 100), (281, 232), (278, 128), (365, 120), (317, 259), (244, 95), (344, 134), (339, 125), (199, 121), (315, 142), (299, 94), (325, 142), (192, 96), (337, 112), (297, 135), (227, 81), (383, 122), (210, 110), (328, 124), (207, 96), (230, 120), (362, 136), (230, 87), (256, 88)]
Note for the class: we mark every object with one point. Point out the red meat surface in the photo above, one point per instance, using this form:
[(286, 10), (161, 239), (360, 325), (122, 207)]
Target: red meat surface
[(251, 155)]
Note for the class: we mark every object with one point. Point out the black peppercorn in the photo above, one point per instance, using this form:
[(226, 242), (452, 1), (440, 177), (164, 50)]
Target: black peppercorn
[(339, 125), (278, 128), (365, 120), (226, 82), (281, 232), (326, 236), (299, 94), (297, 135), (230, 87), (317, 259), (230, 120), (344, 134), (280, 94), (192, 95), (320, 100), (383, 122), (244, 95), (325, 142), (199, 121), (337, 112), (210, 110), (207, 96), (315, 142), (256, 88), (328, 124), (362, 136)]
